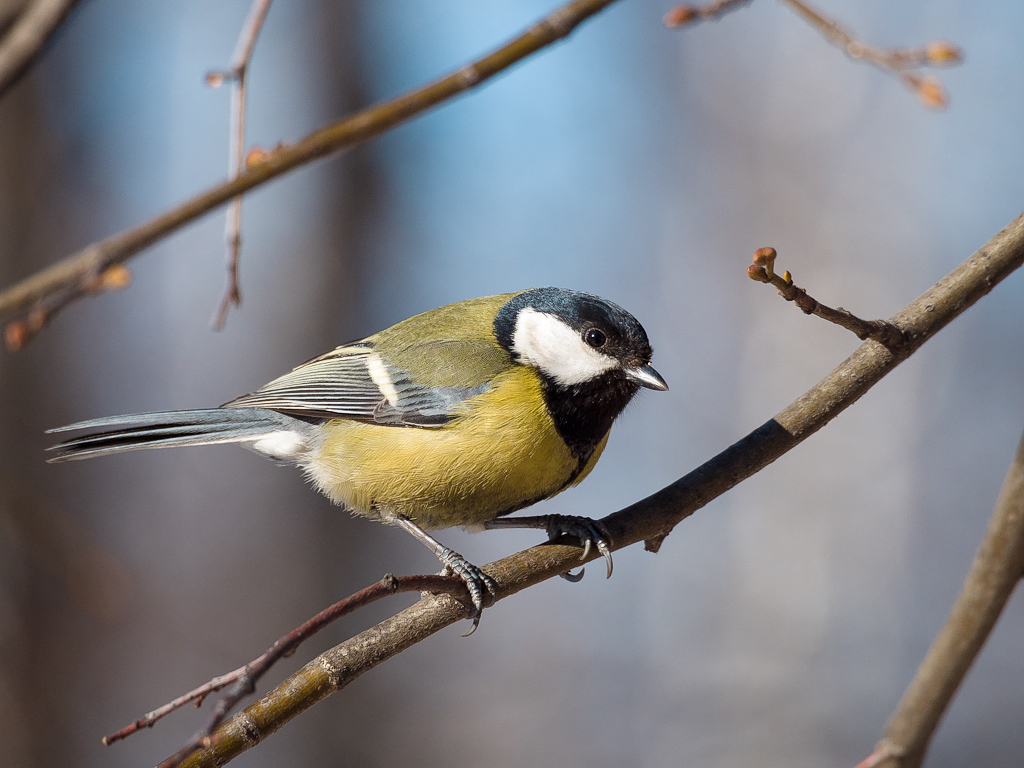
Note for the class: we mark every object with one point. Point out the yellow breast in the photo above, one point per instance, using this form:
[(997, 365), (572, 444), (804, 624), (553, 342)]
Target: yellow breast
[(500, 454)]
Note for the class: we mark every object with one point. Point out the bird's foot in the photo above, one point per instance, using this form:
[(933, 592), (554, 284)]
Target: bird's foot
[(477, 582), (590, 532)]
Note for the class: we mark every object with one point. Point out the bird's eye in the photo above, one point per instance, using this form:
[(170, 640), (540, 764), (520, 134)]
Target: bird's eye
[(594, 338)]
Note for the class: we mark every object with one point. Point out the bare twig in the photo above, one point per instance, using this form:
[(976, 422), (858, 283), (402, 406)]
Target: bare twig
[(18, 333), (28, 36), (365, 125), (763, 270), (243, 680), (651, 519), (685, 13), (996, 569), (895, 61), (233, 222)]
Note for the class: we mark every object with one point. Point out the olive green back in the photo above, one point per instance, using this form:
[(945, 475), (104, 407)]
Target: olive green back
[(462, 352)]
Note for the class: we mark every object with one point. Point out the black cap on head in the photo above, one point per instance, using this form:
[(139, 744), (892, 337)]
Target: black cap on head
[(625, 339)]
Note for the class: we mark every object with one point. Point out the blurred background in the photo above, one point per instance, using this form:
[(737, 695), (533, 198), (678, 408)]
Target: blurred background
[(778, 626)]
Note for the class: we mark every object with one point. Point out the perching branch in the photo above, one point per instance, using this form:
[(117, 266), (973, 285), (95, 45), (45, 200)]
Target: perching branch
[(651, 519), (28, 36), (233, 223), (996, 569), (763, 270), (96, 258), (243, 680)]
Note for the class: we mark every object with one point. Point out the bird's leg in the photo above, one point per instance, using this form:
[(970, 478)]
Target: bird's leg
[(587, 530), (477, 582)]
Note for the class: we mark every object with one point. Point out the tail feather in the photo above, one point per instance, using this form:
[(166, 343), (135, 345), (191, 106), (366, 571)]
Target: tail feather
[(172, 428)]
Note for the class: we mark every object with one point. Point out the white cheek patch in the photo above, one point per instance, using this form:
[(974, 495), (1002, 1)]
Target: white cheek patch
[(547, 343)]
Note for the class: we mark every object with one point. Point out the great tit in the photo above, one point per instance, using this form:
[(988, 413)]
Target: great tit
[(457, 416)]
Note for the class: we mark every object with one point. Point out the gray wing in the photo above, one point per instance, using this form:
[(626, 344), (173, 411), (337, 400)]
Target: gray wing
[(353, 382)]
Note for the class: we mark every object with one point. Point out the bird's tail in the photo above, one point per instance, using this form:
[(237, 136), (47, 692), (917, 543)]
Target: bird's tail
[(265, 429)]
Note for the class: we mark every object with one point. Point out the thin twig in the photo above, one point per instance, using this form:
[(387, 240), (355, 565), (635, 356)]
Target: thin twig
[(686, 13), (996, 569), (894, 61), (18, 333), (243, 680), (651, 519), (233, 222), (763, 271), (28, 36), (286, 645), (365, 125)]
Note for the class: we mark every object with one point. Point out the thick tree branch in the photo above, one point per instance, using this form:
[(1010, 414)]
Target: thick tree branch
[(93, 260), (28, 36), (996, 569), (651, 519)]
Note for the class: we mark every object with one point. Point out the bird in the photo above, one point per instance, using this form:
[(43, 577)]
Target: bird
[(458, 416)]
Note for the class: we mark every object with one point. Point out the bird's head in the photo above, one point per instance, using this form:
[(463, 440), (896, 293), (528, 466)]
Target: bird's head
[(592, 355)]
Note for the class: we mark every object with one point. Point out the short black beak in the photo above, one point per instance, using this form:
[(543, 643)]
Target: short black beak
[(647, 377)]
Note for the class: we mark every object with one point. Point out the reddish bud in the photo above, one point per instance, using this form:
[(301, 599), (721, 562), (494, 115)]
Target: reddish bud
[(757, 272), (115, 278), (256, 156), (680, 15), (931, 93), (765, 256), (16, 335), (942, 53)]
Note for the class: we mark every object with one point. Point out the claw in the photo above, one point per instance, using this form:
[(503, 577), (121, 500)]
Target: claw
[(573, 577), (476, 582), (602, 547), (589, 532)]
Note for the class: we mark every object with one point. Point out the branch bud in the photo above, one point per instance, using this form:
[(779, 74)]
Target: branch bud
[(942, 53), (680, 15), (765, 256), (15, 335), (757, 272), (931, 93), (115, 278)]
